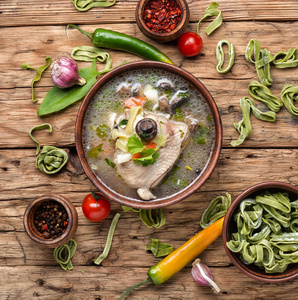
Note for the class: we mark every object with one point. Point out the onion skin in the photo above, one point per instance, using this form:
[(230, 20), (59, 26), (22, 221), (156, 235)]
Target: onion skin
[(65, 73)]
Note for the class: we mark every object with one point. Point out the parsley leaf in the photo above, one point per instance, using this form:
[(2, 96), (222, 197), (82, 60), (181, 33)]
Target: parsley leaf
[(134, 144)]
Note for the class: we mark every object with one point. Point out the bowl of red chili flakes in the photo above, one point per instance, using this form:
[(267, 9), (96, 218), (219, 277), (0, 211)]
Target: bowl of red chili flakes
[(162, 20)]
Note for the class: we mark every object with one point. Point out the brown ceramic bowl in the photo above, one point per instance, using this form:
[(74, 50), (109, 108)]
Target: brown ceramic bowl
[(164, 36), (229, 227), (196, 184), (36, 236)]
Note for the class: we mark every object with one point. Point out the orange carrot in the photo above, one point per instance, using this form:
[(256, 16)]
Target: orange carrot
[(134, 101)]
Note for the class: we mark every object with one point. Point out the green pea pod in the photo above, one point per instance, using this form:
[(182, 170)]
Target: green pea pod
[(39, 127), (289, 94), (262, 59), (210, 12), (84, 5), (220, 56), (88, 53), (51, 159), (159, 249), (110, 39), (216, 210), (243, 126), (37, 77), (263, 94), (64, 253), (286, 59)]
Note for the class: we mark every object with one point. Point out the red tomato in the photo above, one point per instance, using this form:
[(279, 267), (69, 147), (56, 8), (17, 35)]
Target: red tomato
[(95, 207), (190, 44)]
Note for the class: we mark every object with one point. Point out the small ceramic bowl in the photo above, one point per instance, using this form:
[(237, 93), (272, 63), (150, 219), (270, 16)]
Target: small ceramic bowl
[(36, 236), (164, 36), (230, 227)]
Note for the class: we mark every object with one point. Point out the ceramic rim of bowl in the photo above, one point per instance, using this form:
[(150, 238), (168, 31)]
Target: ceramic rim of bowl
[(196, 183), (246, 269)]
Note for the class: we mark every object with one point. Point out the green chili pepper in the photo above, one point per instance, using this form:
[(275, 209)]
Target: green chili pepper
[(289, 94), (84, 5), (262, 59), (103, 38), (220, 56), (286, 59), (262, 93), (211, 11)]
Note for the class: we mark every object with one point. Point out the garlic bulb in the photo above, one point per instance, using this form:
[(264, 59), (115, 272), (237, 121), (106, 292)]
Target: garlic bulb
[(65, 73)]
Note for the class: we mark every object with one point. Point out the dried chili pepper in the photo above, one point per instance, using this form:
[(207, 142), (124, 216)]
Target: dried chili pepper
[(162, 15)]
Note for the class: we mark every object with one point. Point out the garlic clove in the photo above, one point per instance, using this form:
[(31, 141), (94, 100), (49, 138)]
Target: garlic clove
[(203, 275)]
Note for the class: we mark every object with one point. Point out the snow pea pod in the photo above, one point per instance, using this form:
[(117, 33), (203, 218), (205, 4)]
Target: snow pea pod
[(110, 39), (220, 56)]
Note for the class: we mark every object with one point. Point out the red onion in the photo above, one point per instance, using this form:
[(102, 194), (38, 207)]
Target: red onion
[(65, 73), (203, 276)]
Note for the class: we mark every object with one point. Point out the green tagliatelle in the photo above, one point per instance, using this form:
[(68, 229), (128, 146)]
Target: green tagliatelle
[(159, 249), (262, 59), (51, 159), (289, 94), (220, 56), (84, 5), (210, 12), (266, 232), (263, 94), (64, 253), (216, 210), (286, 59), (89, 53)]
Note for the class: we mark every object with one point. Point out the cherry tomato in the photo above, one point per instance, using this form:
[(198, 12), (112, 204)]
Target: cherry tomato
[(190, 44), (95, 207)]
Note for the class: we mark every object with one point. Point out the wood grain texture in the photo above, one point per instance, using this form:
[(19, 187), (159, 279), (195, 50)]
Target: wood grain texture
[(34, 12), (31, 30)]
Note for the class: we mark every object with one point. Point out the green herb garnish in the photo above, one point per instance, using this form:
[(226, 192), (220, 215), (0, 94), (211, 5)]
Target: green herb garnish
[(200, 140), (102, 130), (179, 182), (117, 107), (123, 123), (134, 144), (179, 113), (110, 163), (95, 151)]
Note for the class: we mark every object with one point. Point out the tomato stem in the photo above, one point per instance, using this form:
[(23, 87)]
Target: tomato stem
[(95, 196)]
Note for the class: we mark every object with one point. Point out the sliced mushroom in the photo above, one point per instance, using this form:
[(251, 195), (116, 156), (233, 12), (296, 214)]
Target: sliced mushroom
[(164, 83), (190, 120), (180, 97), (136, 89), (123, 88), (163, 103)]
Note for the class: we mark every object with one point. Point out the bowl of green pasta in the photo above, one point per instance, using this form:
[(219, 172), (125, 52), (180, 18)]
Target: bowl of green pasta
[(260, 232)]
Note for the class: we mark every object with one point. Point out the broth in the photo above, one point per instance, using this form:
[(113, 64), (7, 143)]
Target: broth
[(99, 147)]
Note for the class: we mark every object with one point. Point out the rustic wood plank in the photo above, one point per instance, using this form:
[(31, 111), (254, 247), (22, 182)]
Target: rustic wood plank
[(109, 283), (15, 96), (33, 12)]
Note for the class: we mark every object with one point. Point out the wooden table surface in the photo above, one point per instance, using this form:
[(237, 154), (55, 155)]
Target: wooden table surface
[(30, 30)]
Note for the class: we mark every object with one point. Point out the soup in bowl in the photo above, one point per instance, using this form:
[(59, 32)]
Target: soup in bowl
[(148, 134)]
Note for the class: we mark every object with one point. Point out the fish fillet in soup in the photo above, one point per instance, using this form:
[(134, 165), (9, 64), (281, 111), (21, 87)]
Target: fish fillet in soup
[(144, 178)]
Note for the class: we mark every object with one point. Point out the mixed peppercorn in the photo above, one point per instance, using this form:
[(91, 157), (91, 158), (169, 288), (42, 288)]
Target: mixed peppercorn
[(162, 15), (51, 219)]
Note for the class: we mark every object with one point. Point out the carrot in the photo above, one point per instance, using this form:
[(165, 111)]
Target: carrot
[(151, 146), (138, 155), (134, 101)]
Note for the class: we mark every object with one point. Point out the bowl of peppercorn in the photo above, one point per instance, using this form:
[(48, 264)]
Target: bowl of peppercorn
[(162, 20), (51, 220)]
